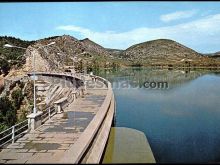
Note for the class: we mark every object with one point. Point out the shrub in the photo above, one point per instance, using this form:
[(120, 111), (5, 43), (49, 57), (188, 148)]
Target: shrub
[(7, 113), (17, 97)]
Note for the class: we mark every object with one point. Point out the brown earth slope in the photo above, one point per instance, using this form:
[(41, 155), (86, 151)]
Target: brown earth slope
[(164, 52)]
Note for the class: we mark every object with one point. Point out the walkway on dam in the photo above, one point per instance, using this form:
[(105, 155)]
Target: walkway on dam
[(49, 142)]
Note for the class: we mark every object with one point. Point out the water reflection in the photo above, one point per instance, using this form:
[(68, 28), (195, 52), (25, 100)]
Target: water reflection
[(136, 77), (181, 122)]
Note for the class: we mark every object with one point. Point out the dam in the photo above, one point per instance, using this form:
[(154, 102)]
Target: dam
[(77, 128)]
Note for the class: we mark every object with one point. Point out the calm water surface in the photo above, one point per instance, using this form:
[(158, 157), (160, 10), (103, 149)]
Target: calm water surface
[(182, 123)]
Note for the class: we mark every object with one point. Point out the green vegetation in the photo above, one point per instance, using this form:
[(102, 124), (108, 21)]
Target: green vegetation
[(12, 57), (5, 66), (96, 62), (9, 105), (17, 97), (7, 113)]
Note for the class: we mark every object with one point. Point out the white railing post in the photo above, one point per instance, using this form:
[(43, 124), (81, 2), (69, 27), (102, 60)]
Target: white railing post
[(29, 124), (49, 113), (13, 134)]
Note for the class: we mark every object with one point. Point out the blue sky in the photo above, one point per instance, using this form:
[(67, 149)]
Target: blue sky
[(116, 24)]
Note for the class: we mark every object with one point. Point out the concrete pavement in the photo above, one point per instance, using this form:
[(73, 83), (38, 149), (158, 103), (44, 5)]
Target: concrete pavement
[(50, 141)]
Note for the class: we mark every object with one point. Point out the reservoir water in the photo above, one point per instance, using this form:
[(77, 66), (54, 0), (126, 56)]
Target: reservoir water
[(181, 121)]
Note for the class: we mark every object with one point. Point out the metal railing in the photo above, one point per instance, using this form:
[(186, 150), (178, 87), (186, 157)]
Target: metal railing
[(18, 130), (48, 114), (14, 132)]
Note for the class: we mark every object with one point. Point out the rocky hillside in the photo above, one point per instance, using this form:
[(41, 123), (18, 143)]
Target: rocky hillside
[(214, 55), (115, 52), (12, 57), (54, 56), (94, 48), (160, 50), (66, 51), (164, 52)]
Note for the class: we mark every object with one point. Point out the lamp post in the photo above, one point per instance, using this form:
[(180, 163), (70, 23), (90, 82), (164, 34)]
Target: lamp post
[(13, 46)]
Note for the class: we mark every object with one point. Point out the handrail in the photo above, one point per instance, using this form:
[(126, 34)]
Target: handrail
[(20, 126), (74, 75), (20, 123), (14, 133), (5, 136), (47, 114), (5, 130)]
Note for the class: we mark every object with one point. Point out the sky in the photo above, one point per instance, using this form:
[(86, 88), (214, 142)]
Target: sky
[(116, 25)]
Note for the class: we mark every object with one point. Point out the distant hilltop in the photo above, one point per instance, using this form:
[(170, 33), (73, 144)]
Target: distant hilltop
[(161, 49), (161, 52)]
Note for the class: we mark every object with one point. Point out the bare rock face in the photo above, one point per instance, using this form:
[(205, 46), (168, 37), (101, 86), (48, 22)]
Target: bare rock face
[(40, 63), (50, 58), (62, 53)]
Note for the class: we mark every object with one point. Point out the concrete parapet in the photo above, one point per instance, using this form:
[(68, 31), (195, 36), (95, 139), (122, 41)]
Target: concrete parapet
[(96, 150), (34, 120), (97, 132), (79, 149)]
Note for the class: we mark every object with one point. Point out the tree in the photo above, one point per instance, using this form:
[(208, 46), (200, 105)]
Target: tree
[(17, 97), (4, 65), (7, 113)]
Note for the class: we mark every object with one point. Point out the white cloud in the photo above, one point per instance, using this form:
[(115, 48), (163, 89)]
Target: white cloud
[(204, 31), (178, 15)]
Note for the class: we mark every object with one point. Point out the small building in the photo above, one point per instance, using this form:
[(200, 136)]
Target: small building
[(69, 69)]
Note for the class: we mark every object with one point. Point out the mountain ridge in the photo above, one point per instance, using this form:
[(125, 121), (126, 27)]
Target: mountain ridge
[(160, 52)]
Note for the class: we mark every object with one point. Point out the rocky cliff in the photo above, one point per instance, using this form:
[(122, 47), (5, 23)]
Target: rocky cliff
[(66, 51)]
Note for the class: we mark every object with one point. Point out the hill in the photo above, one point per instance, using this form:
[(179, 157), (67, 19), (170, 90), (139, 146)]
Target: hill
[(67, 51), (164, 52), (214, 55), (94, 48), (117, 53), (12, 57)]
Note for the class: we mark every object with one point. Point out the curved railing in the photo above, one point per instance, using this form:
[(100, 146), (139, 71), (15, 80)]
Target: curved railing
[(72, 75), (80, 148), (13, 133), (98, 129), (18, 130)]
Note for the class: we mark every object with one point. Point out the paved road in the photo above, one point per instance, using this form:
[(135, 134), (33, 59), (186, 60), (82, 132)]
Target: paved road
[(49, 142)]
